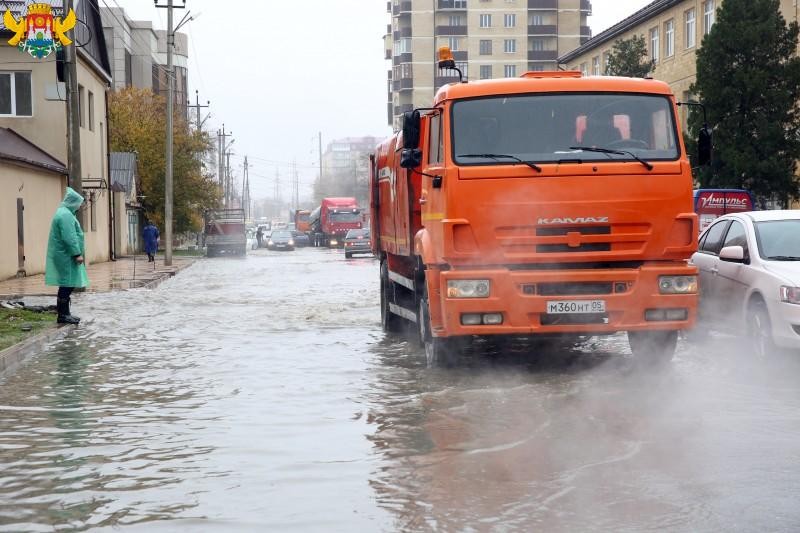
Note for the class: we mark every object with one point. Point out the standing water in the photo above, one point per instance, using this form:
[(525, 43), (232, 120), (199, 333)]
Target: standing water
[(260, 394)]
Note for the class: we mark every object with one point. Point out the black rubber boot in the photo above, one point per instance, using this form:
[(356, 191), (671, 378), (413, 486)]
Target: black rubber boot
[(62, 306)]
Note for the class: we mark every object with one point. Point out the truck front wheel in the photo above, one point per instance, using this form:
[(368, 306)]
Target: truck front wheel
[(653, 347), (439, 351)]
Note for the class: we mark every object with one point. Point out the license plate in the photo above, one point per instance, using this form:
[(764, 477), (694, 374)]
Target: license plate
[(568, 307)]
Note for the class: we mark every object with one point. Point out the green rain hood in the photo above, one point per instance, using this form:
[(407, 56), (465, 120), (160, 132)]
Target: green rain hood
[(65, 244)]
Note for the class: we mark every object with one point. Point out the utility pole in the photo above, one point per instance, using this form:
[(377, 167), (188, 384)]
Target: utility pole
[(198, 107), (73, 116), (168, 197), (320, 159), (295, 186), (277, 193), (222, 147), (228, 181), (246, 189)]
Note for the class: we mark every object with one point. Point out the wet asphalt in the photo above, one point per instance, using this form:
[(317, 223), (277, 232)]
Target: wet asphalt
[(260, 394)]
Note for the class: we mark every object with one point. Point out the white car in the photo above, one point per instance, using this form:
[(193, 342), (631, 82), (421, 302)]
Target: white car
[(750, 277)]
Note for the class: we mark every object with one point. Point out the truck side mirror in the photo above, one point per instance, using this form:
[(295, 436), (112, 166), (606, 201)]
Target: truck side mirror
[(703, 146), (411, 126), (410, 157)]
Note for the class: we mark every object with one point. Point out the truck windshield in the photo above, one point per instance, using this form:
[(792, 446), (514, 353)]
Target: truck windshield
[(543, 128), (345, 216)]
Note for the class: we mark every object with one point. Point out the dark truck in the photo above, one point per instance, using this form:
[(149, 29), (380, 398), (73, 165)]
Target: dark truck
[(224, 232)]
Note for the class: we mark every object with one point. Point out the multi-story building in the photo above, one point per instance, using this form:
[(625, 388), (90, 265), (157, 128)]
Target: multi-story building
[(139, 55), (345, 165), (673, 30), (489, 39)]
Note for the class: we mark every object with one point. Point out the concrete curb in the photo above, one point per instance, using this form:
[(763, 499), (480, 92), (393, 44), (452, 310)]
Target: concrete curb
[(155, 282), (13, 356)]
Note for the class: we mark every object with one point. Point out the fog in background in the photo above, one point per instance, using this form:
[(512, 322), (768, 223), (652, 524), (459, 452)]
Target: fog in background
[(277, 73)]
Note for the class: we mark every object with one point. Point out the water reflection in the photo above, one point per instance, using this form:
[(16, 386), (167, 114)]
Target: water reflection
[(574, 438)]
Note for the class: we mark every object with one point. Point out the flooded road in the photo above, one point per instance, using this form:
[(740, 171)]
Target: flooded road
[(261, 395)]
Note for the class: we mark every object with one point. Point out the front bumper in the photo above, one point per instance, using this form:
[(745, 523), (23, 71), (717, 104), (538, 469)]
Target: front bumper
[(785, 318), (525, 312)]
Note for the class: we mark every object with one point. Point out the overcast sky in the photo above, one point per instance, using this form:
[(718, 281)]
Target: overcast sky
[(276, 76)]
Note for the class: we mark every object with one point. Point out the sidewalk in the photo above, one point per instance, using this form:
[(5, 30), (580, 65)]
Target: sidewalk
[(124, 273)]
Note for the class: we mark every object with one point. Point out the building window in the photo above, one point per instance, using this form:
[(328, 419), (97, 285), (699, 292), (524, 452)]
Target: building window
[(654, 44), (486, 21), (455, 20), (596, 66), (691, 28), (453, 43), (406, 71), (510, 71), (510, 46), (463, 66), (485, 47), (537, 68), (15, 94), (91, 110), (82, 105), (537, 45), (486, 72), (509, 21), (605, 62), (669, 38), (708, 16), (460, 4), (402, 46), (584, 69), (537, 20)]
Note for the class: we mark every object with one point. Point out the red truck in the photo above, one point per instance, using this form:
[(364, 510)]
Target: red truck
[(331, 221)]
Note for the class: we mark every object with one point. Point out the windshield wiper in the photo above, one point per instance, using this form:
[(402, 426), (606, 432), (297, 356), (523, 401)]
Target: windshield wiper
[(784, 258), (498, 157), (647, 165)]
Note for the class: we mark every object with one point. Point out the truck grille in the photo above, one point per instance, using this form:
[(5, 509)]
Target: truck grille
[(574, 289), (565, 248)]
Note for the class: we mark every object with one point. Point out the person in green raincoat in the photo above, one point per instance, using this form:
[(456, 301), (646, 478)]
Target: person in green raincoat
[(65, 248)]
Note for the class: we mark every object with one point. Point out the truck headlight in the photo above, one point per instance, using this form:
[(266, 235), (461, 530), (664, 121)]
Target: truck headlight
[(790, 295), (677, 284), (291, 243), (468, 288)]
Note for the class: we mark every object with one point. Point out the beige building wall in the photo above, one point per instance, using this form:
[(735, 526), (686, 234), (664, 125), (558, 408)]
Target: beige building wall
[(41, 194), (678, 69), (47, 129)]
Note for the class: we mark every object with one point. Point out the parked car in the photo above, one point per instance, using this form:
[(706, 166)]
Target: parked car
[(300, 239), (281, 240), (750, 277), (357, 241)]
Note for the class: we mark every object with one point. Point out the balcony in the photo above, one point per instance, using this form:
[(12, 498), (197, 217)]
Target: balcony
[(455, 5), (400, 109), (402, 33), (388, 7), (542, 55), (450, 30), (401, 8), (388, 54), (543, 30), (402, 58), (586, 7), (403, 84), (460, 56), (542, 4), (586, 31), (444, 80)]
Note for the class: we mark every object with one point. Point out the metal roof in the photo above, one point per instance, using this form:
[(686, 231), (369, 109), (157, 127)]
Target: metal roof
[(16, 148), (123, 169), (648, 11)]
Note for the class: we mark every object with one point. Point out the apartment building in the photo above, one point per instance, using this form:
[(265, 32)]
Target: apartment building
[(489, 39), (138, 55), (673, 29), (345, 164)]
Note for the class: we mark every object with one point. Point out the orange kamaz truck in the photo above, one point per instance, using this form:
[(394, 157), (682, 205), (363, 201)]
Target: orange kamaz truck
[(552, 204)]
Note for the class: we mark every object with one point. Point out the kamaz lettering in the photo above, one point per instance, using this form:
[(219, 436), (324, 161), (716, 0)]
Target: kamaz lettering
[(569, 220)]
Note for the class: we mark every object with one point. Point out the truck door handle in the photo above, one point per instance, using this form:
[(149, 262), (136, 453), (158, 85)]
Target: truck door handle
[(714, 270), (423, 198)]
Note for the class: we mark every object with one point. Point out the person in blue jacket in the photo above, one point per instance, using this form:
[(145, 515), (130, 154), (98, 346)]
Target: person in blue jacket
[(150, 235), (65, 268)]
